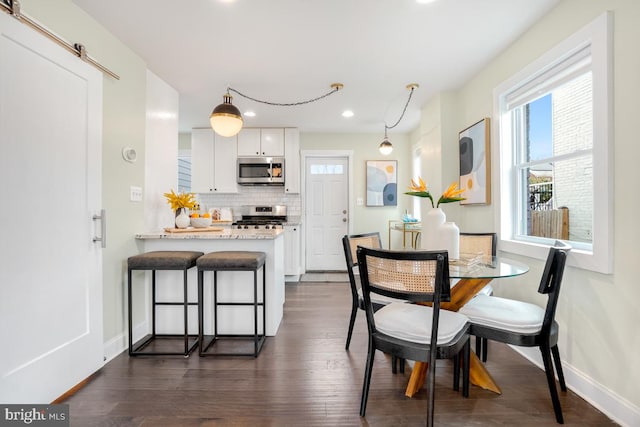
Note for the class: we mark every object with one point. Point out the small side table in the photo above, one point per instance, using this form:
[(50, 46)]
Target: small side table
[(413, 229)]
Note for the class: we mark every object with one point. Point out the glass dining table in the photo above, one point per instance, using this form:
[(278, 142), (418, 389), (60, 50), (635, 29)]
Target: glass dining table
[(467, 279)]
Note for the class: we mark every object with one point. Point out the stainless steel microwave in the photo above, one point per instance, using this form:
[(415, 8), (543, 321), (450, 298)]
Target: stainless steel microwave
[(260, 170)]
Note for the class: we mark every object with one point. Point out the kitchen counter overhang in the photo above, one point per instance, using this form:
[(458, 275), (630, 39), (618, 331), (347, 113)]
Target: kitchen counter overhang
[(232, 286)]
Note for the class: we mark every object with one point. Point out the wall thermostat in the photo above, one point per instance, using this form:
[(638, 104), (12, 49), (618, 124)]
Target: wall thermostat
[(129, 154)]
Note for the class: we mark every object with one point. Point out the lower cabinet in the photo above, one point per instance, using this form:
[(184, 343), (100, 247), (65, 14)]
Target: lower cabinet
[(291, 250)]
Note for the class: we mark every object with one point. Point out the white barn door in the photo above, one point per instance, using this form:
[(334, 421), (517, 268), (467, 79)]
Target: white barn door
[(50, 185)]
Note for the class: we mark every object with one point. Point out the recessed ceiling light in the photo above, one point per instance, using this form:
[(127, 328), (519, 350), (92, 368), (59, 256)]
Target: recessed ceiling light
[(249, 114), (347, 113), (425, 1)]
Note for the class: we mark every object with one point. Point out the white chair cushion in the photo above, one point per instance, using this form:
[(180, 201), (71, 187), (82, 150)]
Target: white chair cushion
[(503, 313), (380, 299), (412, 322)]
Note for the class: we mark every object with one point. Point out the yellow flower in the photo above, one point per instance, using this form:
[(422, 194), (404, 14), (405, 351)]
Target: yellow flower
[(181, 200), (450, 195), (420, 188)]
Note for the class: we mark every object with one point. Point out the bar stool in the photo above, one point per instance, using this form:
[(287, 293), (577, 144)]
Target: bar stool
[(231, 261), (154, 261)]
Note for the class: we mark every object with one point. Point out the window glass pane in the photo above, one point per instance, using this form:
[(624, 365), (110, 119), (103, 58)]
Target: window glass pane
[(559, 199), (184, 174), (573, 188), (318, 169), (573, 116), (540, 135), (326, 170)]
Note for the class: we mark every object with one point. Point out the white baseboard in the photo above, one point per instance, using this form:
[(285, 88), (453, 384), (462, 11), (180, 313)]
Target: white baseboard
[(608, 402), (119, 343)]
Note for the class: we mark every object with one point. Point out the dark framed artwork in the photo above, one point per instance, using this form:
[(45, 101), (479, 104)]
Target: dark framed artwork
[(475, 163), (382, 183)]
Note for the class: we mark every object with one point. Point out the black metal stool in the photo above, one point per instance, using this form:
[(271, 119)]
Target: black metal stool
[(231, 261), (162, 260)]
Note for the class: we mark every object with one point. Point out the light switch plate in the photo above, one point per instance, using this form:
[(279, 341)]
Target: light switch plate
[(135, 194), (359, 201)]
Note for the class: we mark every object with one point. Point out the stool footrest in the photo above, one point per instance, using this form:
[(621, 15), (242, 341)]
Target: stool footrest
[(174, 303), (208, 341), (137, 348), (259, 304)]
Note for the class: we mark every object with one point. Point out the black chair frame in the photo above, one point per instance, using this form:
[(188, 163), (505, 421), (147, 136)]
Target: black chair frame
[(547, 338), (356, 301), (482, 344), (411, 350)]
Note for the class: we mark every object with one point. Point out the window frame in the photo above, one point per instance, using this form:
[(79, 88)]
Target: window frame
[(598, 37)]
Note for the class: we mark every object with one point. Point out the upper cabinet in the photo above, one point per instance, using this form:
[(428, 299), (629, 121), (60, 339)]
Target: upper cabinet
[(261, 142), (213, 162), (292, 161)]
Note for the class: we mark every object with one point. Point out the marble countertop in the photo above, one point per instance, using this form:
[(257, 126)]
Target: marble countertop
[(226, 234)]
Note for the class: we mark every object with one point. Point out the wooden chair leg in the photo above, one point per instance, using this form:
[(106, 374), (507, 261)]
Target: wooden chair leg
[(551, 381), (556, 361)]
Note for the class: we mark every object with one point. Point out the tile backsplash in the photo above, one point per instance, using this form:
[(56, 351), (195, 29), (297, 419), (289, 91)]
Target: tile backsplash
[(252, 196)]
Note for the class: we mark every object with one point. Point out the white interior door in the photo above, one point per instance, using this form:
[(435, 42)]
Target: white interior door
[(50, 182), (326, 212)]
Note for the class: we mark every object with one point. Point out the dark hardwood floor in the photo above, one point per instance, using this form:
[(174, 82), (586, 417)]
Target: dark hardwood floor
[(304, 377)]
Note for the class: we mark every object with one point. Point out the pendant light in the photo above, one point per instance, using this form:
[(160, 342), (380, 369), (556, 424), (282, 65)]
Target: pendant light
[(385, 146), (226, 119)]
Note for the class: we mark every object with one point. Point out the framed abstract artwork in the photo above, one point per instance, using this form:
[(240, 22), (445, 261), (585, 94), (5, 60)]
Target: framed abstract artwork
[(475, 163), (382, 179)]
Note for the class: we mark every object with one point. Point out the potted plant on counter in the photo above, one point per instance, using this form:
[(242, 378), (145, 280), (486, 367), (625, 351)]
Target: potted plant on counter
[(179, 204)]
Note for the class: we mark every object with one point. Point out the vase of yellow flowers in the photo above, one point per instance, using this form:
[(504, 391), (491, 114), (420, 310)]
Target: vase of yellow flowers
[(437, 233), (180, 203)]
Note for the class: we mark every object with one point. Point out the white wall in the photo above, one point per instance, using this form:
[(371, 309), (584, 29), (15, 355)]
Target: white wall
[(367, 219), (161, 148), (597, 313)]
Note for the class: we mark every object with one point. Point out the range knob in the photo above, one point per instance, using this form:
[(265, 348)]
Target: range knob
[(256, 226), (246, 227), (267, 227)]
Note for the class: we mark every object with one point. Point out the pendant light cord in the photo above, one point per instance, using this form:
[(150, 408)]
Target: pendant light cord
[(412, 86), (335, 88)]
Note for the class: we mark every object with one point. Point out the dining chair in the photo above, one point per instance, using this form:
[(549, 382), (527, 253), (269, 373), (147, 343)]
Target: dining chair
[(487, 245), (524, 324), (412, 331), (350, 244)]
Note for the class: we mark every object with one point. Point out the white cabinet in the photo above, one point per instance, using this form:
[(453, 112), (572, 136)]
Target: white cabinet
[(291, 250), (213, 162), (292, 161), (261, 142)]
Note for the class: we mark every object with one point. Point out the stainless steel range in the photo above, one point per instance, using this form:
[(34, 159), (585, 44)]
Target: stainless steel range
[(263, 218)]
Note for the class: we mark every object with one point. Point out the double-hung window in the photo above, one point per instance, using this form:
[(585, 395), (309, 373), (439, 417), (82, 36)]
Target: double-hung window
[(554, 133)]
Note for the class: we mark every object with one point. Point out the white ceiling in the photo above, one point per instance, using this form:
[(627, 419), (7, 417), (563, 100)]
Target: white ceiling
[(292, 50)]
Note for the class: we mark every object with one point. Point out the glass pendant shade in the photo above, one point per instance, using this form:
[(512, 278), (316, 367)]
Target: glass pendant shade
[(385, 147), (226, 119)]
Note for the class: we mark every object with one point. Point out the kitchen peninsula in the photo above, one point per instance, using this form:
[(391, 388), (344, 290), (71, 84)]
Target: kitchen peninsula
[(234, 286)]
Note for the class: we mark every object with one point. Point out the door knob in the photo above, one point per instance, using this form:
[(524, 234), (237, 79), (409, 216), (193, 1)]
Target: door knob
[(344, 219), (344, 211)]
